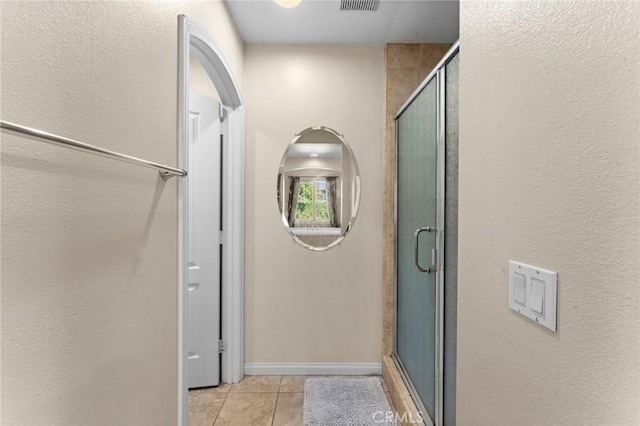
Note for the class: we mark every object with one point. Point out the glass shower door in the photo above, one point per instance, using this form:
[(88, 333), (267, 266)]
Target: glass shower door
[(416, 239)]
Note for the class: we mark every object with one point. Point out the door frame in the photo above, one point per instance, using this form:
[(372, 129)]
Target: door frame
[(437, 73), (193, 39)]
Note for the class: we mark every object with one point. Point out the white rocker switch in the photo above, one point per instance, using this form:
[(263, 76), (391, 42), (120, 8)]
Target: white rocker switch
[(537, 296), (519, 289)]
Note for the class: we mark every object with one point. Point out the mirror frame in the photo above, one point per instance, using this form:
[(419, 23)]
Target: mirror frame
[(357, 195)]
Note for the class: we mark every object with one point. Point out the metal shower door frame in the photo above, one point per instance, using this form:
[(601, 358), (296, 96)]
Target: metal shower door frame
[(439, 74)]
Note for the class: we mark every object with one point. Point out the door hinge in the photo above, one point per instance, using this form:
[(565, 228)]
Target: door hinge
[(222, 346), (221, 237), (223, 120)]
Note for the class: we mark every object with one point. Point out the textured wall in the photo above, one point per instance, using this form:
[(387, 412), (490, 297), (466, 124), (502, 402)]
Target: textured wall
[(89, 245), (302, 306), (549, 169)]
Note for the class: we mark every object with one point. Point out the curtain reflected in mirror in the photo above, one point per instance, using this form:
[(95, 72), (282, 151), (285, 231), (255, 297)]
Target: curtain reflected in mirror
[(294, 185), (332, 201), (318, 188)]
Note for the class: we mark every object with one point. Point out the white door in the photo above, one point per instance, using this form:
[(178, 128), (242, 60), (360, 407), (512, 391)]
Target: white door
[(203, 250)]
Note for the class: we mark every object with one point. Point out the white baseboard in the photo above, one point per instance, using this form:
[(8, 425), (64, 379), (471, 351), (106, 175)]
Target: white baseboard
[(312, 369)]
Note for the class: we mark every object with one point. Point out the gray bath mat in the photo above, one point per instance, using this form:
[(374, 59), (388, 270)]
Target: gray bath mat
[(338, 401)]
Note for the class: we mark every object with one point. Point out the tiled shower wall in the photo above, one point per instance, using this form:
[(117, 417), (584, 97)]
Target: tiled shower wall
[(406, 66)]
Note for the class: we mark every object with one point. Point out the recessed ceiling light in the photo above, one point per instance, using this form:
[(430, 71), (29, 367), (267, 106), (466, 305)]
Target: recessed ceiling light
[(288, 4), (313, 155)]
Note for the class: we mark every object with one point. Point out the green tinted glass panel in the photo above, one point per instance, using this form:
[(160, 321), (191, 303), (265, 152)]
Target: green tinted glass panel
[(416, 208)]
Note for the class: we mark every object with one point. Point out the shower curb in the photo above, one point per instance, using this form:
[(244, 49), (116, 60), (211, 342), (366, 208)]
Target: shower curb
[(405, 407)]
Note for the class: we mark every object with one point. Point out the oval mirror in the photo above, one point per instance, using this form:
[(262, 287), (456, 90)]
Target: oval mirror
[(318, 188)]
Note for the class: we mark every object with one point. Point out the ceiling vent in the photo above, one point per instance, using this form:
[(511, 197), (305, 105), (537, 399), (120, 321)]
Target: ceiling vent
[(358, 4)]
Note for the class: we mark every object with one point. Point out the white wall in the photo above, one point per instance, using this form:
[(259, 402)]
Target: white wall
[(89, 245), (302, 306), (549, 175)]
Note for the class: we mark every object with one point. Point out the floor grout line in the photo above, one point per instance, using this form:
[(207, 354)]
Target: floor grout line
[(220, 410), (275, 407)]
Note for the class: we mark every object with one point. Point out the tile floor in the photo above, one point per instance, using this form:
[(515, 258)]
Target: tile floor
[(255, 401)]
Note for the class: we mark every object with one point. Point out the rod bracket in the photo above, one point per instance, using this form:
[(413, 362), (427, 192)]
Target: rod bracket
[(164, 175)]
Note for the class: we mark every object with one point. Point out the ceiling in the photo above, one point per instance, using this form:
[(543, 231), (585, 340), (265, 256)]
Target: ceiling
[(321, 150), (322, 22)]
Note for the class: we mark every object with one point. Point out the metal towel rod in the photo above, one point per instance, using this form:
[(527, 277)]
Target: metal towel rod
[(166, 172)]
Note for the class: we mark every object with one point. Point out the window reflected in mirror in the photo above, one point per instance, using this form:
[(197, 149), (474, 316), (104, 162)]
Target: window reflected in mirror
[(318, 188)]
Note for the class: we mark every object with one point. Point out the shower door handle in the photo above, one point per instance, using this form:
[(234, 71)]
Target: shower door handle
[(416, 250)]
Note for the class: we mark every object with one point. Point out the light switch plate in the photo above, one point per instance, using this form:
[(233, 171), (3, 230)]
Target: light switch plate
[(547, 290)]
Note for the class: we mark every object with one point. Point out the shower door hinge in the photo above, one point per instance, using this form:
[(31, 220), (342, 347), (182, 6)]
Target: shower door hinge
[(221, 237), (222, 347)]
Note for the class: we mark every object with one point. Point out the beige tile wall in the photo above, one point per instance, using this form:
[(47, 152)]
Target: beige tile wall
[(406, 66)]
